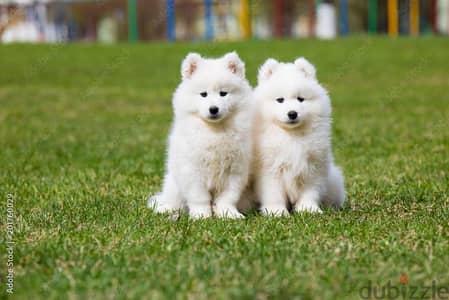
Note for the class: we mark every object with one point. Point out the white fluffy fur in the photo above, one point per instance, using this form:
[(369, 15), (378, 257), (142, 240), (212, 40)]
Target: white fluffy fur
[(207, 166), (293, 159)]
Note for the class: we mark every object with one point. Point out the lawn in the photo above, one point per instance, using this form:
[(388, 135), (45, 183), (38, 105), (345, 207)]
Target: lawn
[(83, 132)]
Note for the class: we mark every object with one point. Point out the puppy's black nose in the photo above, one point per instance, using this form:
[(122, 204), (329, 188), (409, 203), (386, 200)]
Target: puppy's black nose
[(292, 115), (213, 110)]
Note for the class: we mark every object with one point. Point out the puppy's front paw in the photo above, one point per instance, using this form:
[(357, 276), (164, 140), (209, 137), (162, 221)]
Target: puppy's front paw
[(310, 207), (200, 212), (153, 202), (230, 212), (158, 205), (274, 211)]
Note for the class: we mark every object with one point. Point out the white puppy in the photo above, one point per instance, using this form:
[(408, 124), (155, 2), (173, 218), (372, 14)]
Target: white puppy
[(210, 142), (293, 161)]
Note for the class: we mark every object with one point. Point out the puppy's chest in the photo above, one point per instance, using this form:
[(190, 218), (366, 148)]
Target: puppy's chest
[(218, 151), (293, 161)]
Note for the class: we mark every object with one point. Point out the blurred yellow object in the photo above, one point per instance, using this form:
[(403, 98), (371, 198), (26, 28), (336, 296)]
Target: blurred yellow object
[(245, 20), (414, 17), (393, 22)]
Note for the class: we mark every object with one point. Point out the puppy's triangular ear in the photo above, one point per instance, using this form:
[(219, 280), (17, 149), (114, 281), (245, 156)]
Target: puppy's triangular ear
[(190, 65), (267, 69), (306, 67), (235, 64)]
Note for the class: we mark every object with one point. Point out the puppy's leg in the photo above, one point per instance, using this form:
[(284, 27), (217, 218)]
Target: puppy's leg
[(169, 200), (271, 196), (198, 202), (309, 200), (226, 202), (335, 189)]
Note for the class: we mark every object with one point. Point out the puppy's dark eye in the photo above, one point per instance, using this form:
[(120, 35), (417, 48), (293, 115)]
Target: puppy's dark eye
[(280, 100), (300, 99), (222, 94), (203, 94)]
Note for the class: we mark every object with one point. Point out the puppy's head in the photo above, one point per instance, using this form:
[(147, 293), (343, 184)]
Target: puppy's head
[(211, 89), (289, 94)]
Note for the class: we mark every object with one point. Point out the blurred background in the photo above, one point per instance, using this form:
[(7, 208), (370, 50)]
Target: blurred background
[(110, 21)]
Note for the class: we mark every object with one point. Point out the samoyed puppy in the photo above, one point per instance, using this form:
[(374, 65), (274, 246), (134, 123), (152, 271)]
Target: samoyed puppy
[(209, 147), (293, 161)]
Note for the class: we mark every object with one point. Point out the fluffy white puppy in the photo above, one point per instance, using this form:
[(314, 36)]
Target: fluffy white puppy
[(293, 161), (209, 149)]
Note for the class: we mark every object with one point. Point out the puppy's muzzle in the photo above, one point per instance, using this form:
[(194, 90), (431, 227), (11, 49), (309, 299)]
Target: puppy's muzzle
[(292, 115), (214, 112)]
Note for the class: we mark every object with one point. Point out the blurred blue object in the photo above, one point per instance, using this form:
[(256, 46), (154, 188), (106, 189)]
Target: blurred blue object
[(171, 26)]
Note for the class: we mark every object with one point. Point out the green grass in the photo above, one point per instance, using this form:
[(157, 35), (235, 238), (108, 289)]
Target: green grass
[(83, 131)]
